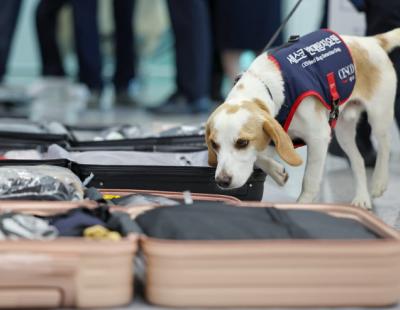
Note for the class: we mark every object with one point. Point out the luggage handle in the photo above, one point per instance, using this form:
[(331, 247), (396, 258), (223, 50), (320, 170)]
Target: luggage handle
[(35, 270)]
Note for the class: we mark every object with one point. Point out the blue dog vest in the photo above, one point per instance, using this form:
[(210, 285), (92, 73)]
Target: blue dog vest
[(318, 64)]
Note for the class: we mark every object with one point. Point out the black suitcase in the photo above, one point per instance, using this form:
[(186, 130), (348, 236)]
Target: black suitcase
[(23, 134), (40, 140), (163, 178), (166, 142)]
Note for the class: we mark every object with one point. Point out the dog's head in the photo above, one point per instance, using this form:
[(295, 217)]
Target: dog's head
[(236, 133)]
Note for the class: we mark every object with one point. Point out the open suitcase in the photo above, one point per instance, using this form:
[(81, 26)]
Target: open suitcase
[(22, 134), (174, 177), (163, 178), (277, 273), (66, 272), (72, 272)]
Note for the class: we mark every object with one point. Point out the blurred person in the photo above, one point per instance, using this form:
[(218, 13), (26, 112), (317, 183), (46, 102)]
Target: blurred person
[(9, 11), (87, 44), (191, 25), (87, 40), (210, 36), (243, 27), (125, 52)]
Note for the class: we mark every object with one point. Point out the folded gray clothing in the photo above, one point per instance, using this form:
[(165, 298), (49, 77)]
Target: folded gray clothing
[(122, 222), (22, 226), (140, 200), (218, 221)]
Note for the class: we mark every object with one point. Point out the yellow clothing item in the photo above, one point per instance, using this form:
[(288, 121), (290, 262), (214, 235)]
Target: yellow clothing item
[(98, 232)]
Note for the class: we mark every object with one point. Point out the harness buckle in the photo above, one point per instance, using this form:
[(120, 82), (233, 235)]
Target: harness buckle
[(334, 113), (294, 38)]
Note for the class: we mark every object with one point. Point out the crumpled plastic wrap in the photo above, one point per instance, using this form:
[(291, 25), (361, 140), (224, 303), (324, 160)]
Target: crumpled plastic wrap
[(39, 183), (120, 132), (184, 130)]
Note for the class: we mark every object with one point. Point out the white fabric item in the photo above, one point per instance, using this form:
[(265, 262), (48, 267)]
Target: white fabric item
[(23, 154), (198, 159), (28, 227)]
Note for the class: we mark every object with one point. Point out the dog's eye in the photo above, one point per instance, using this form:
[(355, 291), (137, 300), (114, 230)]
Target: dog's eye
[(241, 143), (214, 145)]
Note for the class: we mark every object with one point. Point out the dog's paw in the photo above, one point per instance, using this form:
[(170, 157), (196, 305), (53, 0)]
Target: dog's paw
[(362, 202), (378, 187), (279, 175)]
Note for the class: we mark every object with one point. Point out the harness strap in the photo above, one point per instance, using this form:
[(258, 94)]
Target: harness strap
[(334, 112)]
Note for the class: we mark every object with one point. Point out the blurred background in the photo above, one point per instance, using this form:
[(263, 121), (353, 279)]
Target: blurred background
[(154, 76)]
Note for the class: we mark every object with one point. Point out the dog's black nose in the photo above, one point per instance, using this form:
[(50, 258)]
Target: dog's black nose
[(223, 180)]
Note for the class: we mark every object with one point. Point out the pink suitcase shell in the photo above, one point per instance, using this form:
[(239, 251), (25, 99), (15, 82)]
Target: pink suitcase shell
[(277, 273), (72, 272), (66, 272)]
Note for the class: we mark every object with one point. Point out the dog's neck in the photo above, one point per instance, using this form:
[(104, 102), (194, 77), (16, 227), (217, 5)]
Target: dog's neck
[(263, 80)]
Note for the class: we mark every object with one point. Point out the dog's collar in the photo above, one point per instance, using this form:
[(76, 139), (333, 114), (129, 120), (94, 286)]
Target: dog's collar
[(256, 77)]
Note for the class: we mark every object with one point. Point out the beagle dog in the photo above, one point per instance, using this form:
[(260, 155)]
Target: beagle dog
[(239, 131)]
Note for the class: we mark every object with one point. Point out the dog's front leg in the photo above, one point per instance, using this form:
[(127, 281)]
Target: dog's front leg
[(274, 169), (317, 149)]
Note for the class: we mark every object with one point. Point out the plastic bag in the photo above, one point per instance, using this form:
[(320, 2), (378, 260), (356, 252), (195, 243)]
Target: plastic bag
[(39, 183)]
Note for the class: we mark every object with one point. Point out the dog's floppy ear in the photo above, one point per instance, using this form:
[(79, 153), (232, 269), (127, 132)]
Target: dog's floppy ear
[(283, 143), (212, 157)]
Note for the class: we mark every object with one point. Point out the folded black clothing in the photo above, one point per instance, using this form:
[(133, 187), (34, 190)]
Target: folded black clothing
[(122, 222), (74, 222), (218, 221)]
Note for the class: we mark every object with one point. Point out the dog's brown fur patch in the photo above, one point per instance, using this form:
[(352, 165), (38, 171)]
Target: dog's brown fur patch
[(253, 131), (230, 109), (261, 104), (382, 40), (367, 73), (212, 156)]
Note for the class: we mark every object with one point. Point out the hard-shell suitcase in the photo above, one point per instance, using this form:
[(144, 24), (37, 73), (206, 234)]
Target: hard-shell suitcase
[(164, 178), (66, 272), (73, 272), (277, 273)]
